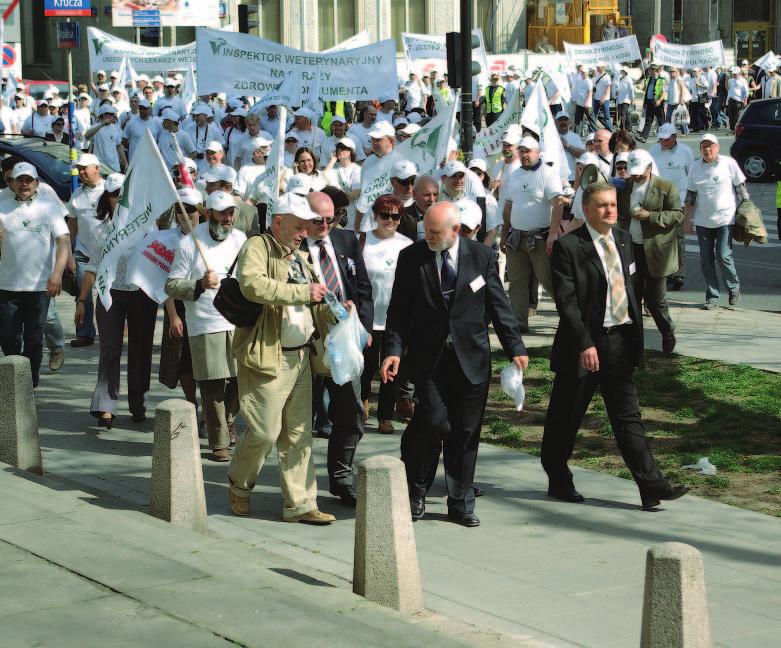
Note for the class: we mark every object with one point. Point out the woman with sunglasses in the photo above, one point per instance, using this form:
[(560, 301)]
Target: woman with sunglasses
[(380, 252), (130, 305), (305, 169), (343, 173)]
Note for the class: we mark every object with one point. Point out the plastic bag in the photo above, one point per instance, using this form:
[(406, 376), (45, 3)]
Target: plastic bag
[(512, 384), (704, 466), (344, 349)]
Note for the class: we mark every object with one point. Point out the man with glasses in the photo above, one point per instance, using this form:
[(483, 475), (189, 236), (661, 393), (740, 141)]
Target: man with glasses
[(403, 176), (336, 257)]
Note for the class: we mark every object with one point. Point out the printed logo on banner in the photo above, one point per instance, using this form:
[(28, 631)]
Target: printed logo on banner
[(98, 42)]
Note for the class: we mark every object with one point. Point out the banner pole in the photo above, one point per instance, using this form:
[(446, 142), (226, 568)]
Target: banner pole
[(71, 111)]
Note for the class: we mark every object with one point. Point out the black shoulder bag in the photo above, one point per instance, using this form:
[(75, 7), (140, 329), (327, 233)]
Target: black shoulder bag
[(232, 304)]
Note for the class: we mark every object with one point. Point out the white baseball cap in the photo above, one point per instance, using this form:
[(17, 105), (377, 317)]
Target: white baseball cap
[(103, 87), (620, 157), (114, 181), (215, 146), (709, 137), (220, 173), (414, 117), (169, 82), (239, 112), (296, 185), (478, 163), (220, 200), (403, 169), (144, 103), (291, 135), (562, 114), (513, 135), (87, 159), (347, 141), (338, 118), (254, 143), (399, 121), (303, 111), (387, 96), (169, 114), (24, 168), (665, 131), (295, 205), (157, 79), (410, 129), (201, 109), (99, 72), (453, 167), (382, 129), (588, 158), (529, 143), (114, 74), (639, 161), (471, 214), (107, 109), (190, 196)]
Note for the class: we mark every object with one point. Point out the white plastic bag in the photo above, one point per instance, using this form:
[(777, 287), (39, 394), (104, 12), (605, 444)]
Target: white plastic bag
[(703, 466), (512, 384), (344, 349)]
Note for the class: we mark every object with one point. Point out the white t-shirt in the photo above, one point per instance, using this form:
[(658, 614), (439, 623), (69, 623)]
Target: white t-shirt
[(246, 176), (83, 207), (27, 246), (380, 256), (674, 165), (714, 183), (504, 176), (635, 199), (134, 131), (602, 88), (165, 142), (572, 139), (170, 102), (330, 145), (105, 143), (39, 125), (625, 91), (202, 316), (360, 133), (530, 193), (345, 178), (314, 182), (312, 139), (581, 91), (414, 95)]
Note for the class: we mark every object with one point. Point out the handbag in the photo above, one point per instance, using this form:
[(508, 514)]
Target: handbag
[(232, 304), (70, 284)]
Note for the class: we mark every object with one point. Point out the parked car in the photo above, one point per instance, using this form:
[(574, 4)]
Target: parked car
[(52, 160), (758, 139), (36, 89)]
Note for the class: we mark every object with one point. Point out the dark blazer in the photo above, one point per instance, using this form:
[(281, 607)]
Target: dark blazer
[(580, 291), (408, 226), (352, 271), (65, 138), (418, 318)]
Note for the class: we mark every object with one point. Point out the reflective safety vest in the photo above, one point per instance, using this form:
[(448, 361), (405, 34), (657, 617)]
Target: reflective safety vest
[(493, 99), (331, 108)]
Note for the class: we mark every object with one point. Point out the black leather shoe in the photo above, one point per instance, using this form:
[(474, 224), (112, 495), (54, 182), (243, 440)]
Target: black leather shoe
[(464, 519), (676, 283), (346, 494), (479, 492), (322, 433), (673, 493), (566, 495), (139, 418), (417, 507)]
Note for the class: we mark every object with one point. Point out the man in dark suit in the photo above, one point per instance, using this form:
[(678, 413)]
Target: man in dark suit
[(425, 193), (599, 341), (446, 289), (338, 262)]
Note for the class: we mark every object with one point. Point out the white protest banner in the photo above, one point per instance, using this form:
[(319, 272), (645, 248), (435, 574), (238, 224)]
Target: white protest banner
[(359, 40), (107, 51), (490, 137), (619, 50), (243, 64), (149, 267), (202, 13), (768, 61), (146, 193), (265, 188), (537, 117), (688, 56)]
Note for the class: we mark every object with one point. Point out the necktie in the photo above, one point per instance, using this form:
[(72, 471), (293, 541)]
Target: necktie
[(619, 307), (328, 270), (447, 279)]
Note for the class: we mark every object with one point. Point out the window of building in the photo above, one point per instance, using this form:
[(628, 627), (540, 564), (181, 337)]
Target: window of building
[(41, 51), (149, 36), (747, 10), (483, 16), (270, 20), (336, 21), (407, 16)]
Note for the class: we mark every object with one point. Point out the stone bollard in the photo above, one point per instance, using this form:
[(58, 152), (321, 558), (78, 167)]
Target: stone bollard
[(19, 443), (386, 561), (675, 614), (176, 491)]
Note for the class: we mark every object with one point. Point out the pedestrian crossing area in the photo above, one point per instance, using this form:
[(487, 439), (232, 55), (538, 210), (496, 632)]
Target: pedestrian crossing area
[(771, 224)]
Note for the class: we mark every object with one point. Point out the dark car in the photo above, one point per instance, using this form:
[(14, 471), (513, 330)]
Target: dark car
[(758, 139), (52, 160)]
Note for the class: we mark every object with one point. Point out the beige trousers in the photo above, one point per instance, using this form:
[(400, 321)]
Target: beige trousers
[(520, 265), (278, 411)]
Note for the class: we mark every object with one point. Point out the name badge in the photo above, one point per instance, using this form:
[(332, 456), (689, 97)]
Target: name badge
[(477, 283)]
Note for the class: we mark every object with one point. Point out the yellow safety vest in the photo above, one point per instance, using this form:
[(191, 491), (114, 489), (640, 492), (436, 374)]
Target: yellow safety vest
[(328, 115), (493, 104)]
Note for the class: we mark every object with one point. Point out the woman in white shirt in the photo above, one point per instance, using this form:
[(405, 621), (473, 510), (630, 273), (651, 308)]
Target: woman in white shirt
[(257, 149), (380, 253), (343, 173), (129, 305), (305, 169)]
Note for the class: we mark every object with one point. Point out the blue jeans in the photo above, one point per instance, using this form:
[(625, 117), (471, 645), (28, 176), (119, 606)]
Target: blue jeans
[(88, 327), (716, 243), (602, 111), (22, 318), (52, 332)]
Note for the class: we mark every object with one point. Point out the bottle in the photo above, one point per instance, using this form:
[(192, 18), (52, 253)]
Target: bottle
[(339, 311)]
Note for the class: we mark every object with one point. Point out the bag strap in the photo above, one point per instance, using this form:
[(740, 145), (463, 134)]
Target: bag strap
[(236, 260)]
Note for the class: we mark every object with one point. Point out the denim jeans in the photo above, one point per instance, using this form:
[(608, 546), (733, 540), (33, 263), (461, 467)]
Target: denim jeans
[(716, 243), (602, 111), (22, 318), (52, 332), (88, 327)]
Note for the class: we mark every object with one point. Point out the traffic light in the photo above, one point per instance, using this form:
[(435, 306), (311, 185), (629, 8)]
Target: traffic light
[(248, 19), (455, 51)]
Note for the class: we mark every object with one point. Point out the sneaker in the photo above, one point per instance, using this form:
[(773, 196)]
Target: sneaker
[(315, 516), (711, 304), (734, 296), (56, 360), (80, 342)]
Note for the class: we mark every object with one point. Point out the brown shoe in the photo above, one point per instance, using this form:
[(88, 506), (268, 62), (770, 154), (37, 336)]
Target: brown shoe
[(668, 342), (82, 342), (56, 360), (221, 454), (315, 516), (385, 427), (238, 505), (365, 411), (233, 438), (405, 408)]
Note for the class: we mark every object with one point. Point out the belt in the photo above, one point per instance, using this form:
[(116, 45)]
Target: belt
[(307, 344), (611, 330)]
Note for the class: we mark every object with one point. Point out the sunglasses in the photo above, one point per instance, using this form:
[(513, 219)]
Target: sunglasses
[(388, 216), (323, 221), (190, 209), (406, 182), (291, 141)]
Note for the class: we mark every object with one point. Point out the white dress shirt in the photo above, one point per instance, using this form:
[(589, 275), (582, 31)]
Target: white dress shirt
[(314, 253), (452, 258), (609, 319)]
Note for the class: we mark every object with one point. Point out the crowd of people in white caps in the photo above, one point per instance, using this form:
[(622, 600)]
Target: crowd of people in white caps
[(517, 205)]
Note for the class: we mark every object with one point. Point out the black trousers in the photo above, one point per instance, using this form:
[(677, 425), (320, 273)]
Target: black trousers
[(653, 290), (569, 400), (22, 319), (491, 117), (386, 401), (733, 112), (447, 420), (347, 418), (652, 112)]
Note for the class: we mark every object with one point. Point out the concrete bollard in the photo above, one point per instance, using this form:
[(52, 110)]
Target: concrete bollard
[(176, 491), (386, 560), (19, 443), (675, 613)]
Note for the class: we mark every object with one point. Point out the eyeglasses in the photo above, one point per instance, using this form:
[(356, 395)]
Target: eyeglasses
[(388, 216), (406, 182), (323, 221), (621, 167)]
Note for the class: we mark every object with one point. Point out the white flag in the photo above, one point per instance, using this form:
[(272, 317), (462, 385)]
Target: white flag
[(127, 75), (265, 188), (189, 91), (490, 137), (146, 193), (537, 117), (150, 264)]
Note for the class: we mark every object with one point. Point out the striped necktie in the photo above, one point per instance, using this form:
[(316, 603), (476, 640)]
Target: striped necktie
[(619, 306), (328, 270)]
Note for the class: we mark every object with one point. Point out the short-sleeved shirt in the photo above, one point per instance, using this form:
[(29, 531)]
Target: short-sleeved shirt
[(29, 230), (134, 131), (715, 186), (674, 165), (380, 257), (165, 142), (83, 207), (530, 193), (105, 143)]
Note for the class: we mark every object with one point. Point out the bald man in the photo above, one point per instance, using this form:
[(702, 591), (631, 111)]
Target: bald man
[(446, 290)]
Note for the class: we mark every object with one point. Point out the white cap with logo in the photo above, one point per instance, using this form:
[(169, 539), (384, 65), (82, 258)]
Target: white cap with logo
[(220, 201), (639, 161), (452, 167), (403, 169), (24, 169), (295, 205)]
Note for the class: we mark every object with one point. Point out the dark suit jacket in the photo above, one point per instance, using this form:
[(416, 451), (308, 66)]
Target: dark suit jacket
[(65, 138), (409, 223), (659, 240), (419, 320), (580, 290), (352, 271)]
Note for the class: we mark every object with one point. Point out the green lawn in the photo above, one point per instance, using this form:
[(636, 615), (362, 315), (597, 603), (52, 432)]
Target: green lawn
[(691, 408)]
